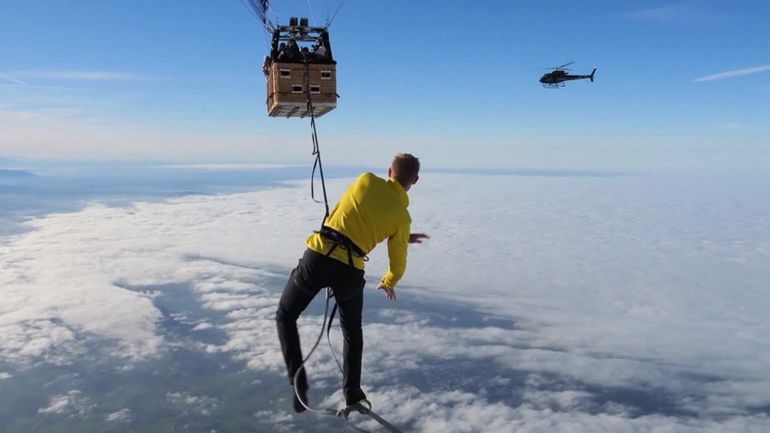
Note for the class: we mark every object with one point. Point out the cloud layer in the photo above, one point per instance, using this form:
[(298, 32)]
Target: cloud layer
[(622, 304)]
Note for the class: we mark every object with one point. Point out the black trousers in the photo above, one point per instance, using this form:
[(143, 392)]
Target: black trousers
[(314, 272)]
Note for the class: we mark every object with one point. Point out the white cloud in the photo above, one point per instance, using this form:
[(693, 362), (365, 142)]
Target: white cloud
[(273, 417), (462, 412), (27, 337), (203, 326), (201, 404), (81, 75), (673, 13), (73, 404), (53, 302), (734, 125), (12, 80), (5, 375), (122, 415), (734, 73), (661, 13)]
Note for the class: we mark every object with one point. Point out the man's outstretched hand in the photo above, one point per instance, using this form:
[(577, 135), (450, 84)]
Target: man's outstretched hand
[(390, 293), (416, 238)]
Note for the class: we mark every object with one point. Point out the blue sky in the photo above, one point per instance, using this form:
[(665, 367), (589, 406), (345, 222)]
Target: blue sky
[(454, 82)]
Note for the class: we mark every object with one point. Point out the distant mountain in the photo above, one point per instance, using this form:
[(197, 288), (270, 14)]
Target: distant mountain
[(4, 173)]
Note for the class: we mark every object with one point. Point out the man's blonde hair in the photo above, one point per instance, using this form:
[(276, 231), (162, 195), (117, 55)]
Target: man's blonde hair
[(405, 168)]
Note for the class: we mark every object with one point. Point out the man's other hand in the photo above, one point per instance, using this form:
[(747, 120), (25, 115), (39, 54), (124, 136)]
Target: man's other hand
[(390, 293), (416, 238)]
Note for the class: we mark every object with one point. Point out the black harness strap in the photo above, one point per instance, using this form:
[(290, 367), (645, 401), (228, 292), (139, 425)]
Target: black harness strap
[(337, 239)]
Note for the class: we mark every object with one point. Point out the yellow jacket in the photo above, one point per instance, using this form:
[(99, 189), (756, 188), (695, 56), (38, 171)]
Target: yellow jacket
[(371, 210)]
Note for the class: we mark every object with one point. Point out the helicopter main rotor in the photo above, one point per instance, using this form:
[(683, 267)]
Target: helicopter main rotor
[(564, 65)]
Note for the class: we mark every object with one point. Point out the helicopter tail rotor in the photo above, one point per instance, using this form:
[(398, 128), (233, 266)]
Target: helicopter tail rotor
[(592, 75)]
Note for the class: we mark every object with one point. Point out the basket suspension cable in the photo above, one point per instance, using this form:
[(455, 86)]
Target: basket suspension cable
[(316, 148), (334, 14)]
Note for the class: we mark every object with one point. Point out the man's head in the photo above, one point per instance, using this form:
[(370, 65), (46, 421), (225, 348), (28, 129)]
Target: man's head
[(405, 169)]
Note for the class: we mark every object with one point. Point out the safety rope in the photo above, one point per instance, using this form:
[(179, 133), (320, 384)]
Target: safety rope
[(317, 164), (364, 406), (326, 411), (316, 149)]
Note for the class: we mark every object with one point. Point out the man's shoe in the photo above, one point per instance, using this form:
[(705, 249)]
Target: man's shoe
[(355, 397), (363, 406)]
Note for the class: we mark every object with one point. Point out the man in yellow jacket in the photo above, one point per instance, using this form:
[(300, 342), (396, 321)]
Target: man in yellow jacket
[(371, 210)]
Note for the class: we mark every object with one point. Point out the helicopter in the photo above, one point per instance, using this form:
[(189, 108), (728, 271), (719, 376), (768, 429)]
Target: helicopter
[(559, 75)]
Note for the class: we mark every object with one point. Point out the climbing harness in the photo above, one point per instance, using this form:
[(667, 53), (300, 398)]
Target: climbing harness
[(337, 239)]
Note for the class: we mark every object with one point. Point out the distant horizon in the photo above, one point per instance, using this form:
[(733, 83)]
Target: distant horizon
[(717, 162)]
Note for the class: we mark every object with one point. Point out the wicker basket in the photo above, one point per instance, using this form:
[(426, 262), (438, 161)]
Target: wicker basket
[(286, 93)]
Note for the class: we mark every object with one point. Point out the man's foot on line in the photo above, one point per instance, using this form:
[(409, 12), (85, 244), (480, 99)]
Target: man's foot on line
[(298, 406), (362, 406), (355, 398)]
